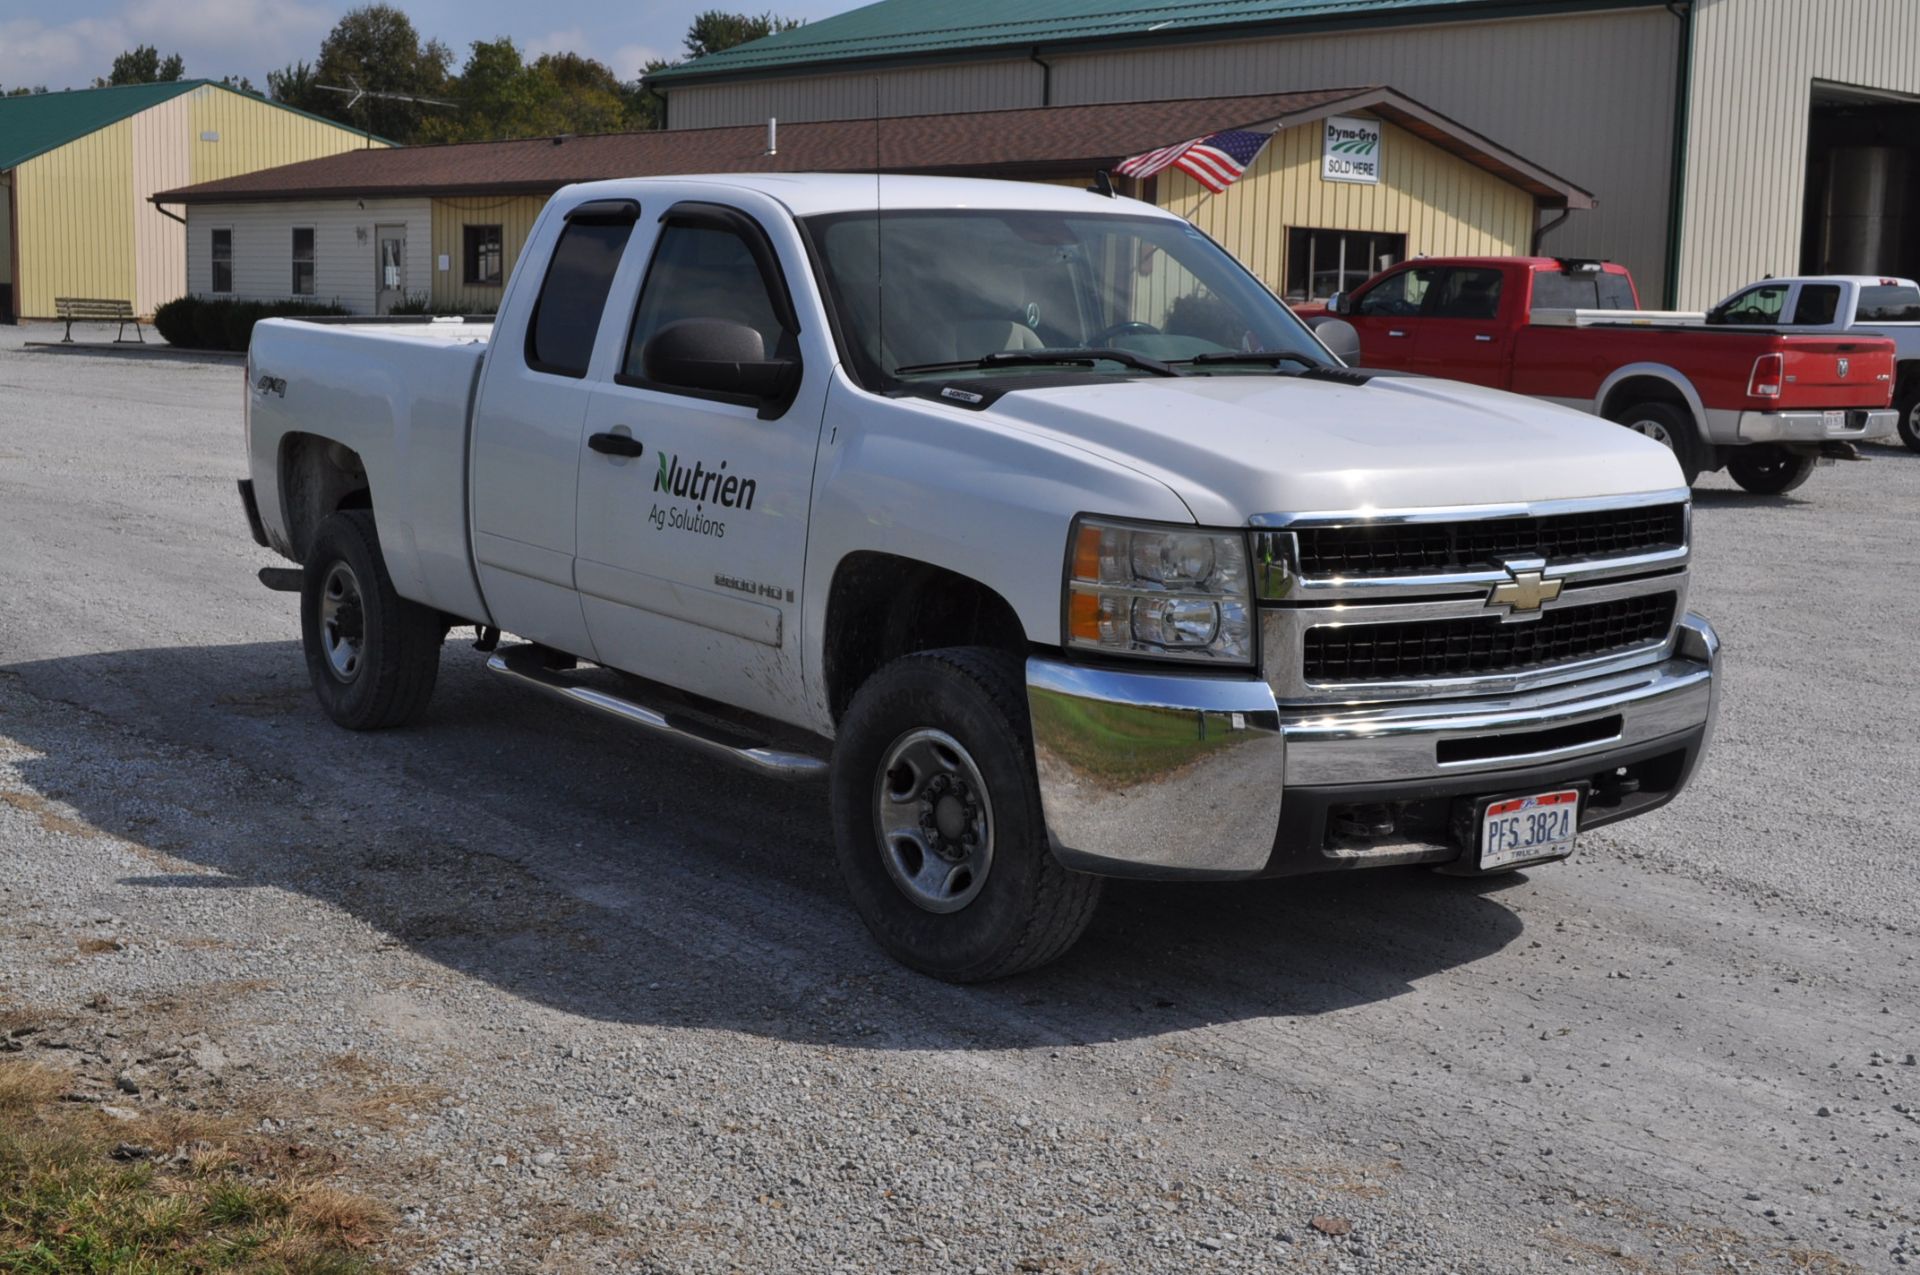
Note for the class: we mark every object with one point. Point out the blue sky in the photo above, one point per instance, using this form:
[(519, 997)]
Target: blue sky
[(65, 43)]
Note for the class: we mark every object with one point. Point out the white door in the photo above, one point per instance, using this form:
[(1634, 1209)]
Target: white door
[(693, 531), (390, 268), (527, 426)]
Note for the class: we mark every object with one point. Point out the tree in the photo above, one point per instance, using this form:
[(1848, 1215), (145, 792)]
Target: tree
[(374, 48), (241, 84), (717, 29), (143, 65), (501, 96), (24, 91)]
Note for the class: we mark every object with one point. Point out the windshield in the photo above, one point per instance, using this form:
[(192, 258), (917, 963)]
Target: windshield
[(1006, 286)]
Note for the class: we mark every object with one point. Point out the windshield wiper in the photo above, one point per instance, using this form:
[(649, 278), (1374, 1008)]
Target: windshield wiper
[(1043, 358), (1253, 356)]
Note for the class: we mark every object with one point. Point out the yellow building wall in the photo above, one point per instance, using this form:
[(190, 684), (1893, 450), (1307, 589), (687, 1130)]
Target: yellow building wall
[(253, 134), (75, 208), (514, 214), (1441, 203)]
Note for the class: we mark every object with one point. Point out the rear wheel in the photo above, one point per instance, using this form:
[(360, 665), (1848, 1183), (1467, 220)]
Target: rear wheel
[(1767, 469), (937, 820), (1668, 425), (1908, 405), (372, 655)]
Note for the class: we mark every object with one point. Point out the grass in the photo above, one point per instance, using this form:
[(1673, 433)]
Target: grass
[(168, 1194)]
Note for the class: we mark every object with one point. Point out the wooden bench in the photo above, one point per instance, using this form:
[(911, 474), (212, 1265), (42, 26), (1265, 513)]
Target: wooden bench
[(99, 310)]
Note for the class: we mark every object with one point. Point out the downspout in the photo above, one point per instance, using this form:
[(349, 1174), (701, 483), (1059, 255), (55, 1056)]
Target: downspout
[(1541, 232), (1677, 183), (1046, 75)]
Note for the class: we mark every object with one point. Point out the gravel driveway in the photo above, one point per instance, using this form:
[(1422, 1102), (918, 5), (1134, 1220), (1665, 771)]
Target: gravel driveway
[(571, 1000)]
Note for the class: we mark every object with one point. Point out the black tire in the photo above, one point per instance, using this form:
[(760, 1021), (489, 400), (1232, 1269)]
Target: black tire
[(1768, 469), (1025, 909), (1907, 403), (372, 655), (1667, 424)]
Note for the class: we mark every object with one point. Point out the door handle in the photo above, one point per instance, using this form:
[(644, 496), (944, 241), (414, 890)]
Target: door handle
[(615, 444), (1395, 332), (1481, 336)]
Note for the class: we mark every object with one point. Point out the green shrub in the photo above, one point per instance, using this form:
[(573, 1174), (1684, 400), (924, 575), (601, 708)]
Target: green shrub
[(218, 323)]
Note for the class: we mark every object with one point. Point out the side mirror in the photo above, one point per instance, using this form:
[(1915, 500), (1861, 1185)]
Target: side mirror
[(1341, 337), (1340, 303), (720, 357)]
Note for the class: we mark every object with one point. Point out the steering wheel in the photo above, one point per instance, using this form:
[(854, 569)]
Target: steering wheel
[(1132, 327)]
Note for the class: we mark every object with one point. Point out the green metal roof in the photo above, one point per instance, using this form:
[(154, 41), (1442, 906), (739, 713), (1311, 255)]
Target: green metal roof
[(35, 123), (904, 29)]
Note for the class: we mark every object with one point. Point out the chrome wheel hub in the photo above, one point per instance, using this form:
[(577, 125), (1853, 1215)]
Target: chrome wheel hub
[(342, 621), (1654, 430), (934, 819)]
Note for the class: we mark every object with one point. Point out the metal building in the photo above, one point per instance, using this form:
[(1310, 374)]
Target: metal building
[(78, 170), (1724, 139)]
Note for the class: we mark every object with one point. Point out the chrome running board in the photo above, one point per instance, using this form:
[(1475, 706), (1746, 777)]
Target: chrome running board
[(527, 663)]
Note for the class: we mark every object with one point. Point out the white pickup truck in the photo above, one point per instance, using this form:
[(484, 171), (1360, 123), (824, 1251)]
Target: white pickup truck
[(1856, 305), (1024, 517)]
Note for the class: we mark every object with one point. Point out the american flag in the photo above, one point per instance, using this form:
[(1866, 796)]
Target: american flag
[(1215, 161)]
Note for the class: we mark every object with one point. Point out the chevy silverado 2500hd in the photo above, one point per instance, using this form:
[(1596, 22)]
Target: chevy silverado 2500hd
[(1025, 517), (1764, 405)]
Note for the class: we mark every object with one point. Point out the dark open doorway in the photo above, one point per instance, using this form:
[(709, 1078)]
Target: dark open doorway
[(1863, 183)]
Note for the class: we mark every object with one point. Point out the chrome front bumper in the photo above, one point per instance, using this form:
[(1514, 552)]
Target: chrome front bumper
[(1855, 425), (1155, 774)]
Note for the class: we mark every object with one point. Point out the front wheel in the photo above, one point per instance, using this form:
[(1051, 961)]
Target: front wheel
[(1768, 469), (937, 820), (1670, 426), (372, 655)]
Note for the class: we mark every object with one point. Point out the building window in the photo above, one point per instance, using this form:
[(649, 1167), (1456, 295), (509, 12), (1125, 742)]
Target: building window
[(222, 259), (483, 251), (1323, 262), (303, 261)]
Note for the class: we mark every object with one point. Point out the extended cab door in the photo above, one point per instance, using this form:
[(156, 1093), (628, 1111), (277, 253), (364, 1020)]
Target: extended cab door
[(528, 413), (1386, 314), (694, 501), (1464, 332)]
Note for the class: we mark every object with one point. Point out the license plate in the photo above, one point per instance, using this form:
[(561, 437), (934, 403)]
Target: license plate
[(1518, 829), (1836, 421)]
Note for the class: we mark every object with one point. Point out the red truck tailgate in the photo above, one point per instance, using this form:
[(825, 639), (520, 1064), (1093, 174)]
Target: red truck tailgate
[(1824, 372)]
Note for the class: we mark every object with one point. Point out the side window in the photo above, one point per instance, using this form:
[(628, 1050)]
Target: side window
[(221, 259), (1818, 303), (1756, 306), (303, 261), (1467, 294), (566, 318), (701, 272), (1400, 295)]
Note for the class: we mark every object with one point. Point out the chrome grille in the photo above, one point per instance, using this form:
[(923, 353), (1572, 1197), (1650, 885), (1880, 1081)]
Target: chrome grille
[(1374, 606), (1476, 545), (1472, 647)]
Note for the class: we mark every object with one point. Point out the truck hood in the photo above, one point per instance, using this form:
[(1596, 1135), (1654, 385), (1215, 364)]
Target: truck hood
[(1236, 446)]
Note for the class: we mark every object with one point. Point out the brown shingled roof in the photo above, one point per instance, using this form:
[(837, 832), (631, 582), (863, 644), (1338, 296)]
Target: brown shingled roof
[(1053, 140)]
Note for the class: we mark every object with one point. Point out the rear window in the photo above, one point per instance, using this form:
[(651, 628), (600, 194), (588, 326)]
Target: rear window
[(567, 317), (1555, 291), (1889, 304)]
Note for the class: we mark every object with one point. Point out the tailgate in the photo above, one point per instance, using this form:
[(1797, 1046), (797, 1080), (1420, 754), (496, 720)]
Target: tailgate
[(1829, 372)]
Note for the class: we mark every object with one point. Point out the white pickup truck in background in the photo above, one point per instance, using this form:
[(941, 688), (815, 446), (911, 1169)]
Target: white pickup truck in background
[(1854, 305), (1024, 516)]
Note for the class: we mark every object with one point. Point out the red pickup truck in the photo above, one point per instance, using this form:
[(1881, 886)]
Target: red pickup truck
[(1764, 405)]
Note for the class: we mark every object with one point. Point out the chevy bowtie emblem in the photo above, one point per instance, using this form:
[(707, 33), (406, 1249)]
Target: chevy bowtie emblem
[(1527, 591)]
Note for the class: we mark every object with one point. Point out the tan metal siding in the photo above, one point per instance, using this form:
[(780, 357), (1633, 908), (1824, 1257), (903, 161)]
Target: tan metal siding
[(971, 86), (343, 247), (76, 221), (235, 133), (1754, 64), (514, 215), (1443, 205), (6, 229), (1588, 96), (160, 162)]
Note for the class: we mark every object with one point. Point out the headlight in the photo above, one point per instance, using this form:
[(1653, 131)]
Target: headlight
[(1169, 592)]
